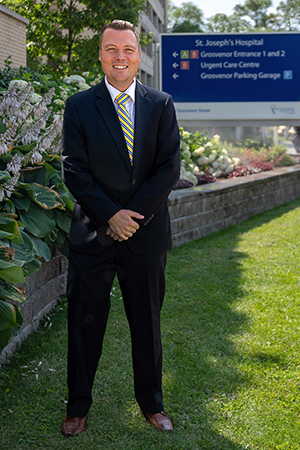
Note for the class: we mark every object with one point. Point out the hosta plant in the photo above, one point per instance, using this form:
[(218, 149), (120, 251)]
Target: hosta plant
[(35, 205)]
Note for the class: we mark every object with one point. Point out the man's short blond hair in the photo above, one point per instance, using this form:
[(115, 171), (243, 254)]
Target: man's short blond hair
[(120, 25)]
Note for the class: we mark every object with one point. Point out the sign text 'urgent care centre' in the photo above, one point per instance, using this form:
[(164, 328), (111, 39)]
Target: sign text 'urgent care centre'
[(232, 76)]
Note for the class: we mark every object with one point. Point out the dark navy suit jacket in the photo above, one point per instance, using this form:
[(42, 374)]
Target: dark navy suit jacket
[(97, 170)]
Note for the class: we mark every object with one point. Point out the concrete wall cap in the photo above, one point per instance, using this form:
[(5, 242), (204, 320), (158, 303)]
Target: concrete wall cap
[(17, 16)]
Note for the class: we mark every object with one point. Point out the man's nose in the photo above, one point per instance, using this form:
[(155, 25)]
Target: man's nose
[(120, 54)]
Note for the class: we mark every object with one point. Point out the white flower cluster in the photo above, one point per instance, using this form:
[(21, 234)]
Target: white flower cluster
[(223, 165), (8, 187), (80, 81), (195, 162), (15, 165), (25, 116), (74, 79), (186, 174)]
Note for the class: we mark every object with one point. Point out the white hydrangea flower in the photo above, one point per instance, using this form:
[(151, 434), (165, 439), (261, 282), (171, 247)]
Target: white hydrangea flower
[(229, 169), (59, 102), (198, 151), (217, 139), (209, 144), (224, 152), (190, 177), (35, 98), (185, 134), (203, 160), (196, 170), (64, 94), (85, 74), (18, 83), (183, 145), (74, 79), (217, 174), (236, 161), (186, 154), (187, 175), (83, 86), (212, 156)]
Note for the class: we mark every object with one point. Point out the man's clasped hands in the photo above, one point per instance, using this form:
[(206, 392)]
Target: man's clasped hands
[(121, 225)]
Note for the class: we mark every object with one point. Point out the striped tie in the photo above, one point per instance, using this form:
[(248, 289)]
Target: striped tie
[(126, 123)]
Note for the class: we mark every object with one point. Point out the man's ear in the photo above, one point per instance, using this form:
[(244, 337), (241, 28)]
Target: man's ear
[(99, 55)]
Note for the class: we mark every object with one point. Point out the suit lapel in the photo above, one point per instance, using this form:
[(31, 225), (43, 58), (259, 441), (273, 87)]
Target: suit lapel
[(142, 108), (108, 113)]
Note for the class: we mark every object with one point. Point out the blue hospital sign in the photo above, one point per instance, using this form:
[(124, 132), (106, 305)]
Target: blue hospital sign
[(242, 76)]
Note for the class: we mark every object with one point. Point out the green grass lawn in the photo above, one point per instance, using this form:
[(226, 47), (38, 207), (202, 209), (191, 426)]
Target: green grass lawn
[(230, 326)]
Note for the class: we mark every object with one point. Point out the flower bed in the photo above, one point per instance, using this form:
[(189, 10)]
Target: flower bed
[(205, 160)]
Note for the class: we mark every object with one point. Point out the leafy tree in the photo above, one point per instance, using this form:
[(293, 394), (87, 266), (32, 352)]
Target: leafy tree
[(66, 31), (288, 15), (254, 15), (221, 23), (186, 18), (257, 11)]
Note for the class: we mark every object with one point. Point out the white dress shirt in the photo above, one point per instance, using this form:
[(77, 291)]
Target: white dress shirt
[(130, 104)]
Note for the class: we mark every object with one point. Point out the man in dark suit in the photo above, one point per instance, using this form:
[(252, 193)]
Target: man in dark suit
[(120, 222)]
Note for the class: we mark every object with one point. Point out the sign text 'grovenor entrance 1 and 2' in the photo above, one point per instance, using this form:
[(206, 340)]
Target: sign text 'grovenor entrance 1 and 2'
[(232, 76)]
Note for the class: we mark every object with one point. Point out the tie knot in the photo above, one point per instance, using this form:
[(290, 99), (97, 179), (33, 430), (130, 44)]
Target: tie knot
[(121, 99)]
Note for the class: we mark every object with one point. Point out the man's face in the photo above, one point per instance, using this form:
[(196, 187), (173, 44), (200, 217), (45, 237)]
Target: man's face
[(120, 57)]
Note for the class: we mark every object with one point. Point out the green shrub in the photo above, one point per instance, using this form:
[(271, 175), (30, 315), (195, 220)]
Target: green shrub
[(35, 205)]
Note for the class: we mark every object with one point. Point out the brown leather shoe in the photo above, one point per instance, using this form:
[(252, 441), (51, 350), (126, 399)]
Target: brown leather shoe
[(160, 421), (72, 426)]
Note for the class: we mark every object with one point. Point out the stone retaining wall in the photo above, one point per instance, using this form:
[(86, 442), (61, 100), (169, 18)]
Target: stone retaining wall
[(199, 211), (195, 213), (43, 290)]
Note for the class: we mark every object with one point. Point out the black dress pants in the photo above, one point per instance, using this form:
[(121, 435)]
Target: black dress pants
[(142, 282)]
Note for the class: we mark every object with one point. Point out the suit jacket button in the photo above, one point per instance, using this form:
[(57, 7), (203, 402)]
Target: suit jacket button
[(133, 181)]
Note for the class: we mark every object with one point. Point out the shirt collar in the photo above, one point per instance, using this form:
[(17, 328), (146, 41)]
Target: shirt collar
[(114, 92)]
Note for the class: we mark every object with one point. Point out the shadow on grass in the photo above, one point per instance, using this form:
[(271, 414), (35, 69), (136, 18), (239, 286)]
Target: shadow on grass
[(200, 319)]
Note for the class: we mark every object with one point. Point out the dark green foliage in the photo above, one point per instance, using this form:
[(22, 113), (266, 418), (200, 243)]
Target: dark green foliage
[(56, 30)]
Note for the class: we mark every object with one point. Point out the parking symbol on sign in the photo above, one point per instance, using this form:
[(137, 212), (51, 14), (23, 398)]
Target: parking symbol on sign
[(287, 74)]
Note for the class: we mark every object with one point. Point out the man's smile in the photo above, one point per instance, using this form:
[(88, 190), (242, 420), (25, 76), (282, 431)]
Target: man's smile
[(120, 57)]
